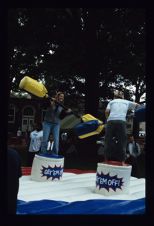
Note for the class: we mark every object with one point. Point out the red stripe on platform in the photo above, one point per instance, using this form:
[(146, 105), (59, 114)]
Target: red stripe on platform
[(27, 171), (78, 171)]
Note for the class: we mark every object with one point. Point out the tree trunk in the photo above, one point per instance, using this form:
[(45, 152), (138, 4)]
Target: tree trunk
[(135, 129), (92, 83), (91, 97)]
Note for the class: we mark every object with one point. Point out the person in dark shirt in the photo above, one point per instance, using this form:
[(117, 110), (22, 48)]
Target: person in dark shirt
[(51, 123), (14, 172), (133, 151), (133, 148)]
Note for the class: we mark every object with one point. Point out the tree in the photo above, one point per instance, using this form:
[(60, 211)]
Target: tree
[(82, 51)]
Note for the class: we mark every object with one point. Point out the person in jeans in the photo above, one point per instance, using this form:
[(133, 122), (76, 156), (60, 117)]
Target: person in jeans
[(115, 131), (51, 122)]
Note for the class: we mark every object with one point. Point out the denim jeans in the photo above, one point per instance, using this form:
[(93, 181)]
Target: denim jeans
[(115, 140), (48, 128)]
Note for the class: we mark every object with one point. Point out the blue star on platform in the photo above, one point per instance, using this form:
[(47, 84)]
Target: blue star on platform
[(106, 181), (52, 172)]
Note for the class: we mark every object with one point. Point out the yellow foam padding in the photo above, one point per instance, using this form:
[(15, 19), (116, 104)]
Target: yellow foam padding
[(99, 129), (87, 118), (33, 86)]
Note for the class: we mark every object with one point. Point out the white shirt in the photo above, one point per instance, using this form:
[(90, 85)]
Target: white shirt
[(50, 146), (36, 139), (118, 109), (132, 151)]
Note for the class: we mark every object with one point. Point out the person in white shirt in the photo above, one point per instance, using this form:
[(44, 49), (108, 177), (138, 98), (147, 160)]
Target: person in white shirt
[(115, 131), (36, 137), (50, 143)]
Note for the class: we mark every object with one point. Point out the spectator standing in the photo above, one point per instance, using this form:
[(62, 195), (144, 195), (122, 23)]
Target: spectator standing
[(50, 143), (36, 137), (133, 148), (133, 151), (19, 132)]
